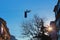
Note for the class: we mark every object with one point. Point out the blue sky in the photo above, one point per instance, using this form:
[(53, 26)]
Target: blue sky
[(13, 12)]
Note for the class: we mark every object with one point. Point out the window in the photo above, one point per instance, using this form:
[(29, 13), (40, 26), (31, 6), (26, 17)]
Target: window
[(58, 22)]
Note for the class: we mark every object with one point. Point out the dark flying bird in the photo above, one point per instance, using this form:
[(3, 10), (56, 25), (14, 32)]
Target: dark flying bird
[(25, 13)]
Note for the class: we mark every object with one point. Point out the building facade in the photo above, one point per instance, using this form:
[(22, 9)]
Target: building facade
[(4, 31), (57, 16), (53, 33)]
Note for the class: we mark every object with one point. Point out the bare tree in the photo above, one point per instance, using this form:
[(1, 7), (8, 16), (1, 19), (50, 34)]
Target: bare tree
[(33, 28)]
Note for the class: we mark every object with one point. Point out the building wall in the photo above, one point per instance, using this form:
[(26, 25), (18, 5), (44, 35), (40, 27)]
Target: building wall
[(53, 33), (4, 33), (57, 15)]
